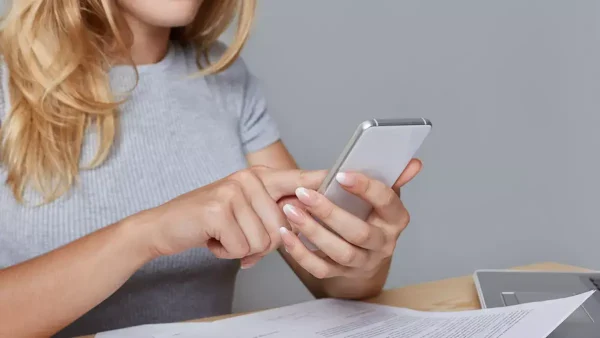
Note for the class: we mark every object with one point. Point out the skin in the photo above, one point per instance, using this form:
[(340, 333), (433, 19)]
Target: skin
[(356, 266), (42, 295)]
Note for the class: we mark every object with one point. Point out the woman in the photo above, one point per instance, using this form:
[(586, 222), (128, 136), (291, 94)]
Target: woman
[(183, 176)]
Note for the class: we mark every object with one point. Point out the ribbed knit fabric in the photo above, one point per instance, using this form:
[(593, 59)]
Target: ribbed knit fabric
[(177, 133)]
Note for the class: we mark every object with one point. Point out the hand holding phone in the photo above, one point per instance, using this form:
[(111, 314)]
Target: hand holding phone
[(379, 149), (355, 219)]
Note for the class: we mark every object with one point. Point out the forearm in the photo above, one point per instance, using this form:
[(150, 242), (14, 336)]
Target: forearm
[(340, 287), (43, 295)]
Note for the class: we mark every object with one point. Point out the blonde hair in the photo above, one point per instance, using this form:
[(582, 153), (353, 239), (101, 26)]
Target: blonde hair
[(55, 48)]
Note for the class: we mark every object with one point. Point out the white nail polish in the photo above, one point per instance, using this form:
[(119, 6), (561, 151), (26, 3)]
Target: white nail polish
[(291, 211), (283, 231), (302, 192), (247, 266), (343, 179)]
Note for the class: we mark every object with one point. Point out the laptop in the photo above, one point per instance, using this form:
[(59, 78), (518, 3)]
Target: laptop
[(497, 288)]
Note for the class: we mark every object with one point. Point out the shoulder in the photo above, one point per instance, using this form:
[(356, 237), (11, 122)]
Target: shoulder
[(238, 91), (237, 73), (237, 77), (233, 85)]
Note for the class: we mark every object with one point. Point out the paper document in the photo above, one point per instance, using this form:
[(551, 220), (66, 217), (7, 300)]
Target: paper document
[(330, 318), (156, 331)]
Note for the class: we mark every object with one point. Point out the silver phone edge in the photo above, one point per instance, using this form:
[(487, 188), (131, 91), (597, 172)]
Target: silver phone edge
[(357, 134), (421, 121)]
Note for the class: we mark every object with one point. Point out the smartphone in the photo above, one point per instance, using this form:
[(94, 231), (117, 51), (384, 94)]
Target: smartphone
[(380, 149)]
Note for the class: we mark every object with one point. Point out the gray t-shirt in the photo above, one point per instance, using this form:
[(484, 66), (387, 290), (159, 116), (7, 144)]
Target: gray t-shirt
[(177, 133)]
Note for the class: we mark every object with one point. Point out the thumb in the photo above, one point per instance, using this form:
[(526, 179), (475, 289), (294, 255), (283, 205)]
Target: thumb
[(280, 183)]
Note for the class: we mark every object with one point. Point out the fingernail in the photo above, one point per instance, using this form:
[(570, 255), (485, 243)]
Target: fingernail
[(286, 237), (247, 265), (345, 179), (304, 196), (292, 213), (250, 261)]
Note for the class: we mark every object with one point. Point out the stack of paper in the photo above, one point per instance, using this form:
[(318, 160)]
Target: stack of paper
[(330, 318)]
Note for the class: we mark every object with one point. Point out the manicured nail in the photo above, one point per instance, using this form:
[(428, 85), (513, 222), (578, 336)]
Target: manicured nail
[(250, 261), (247, 265), (292, 213), (345, 179), (304, 196), (286, 237)]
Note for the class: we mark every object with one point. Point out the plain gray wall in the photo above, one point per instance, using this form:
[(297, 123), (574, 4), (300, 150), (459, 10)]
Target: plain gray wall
[(513, 90)]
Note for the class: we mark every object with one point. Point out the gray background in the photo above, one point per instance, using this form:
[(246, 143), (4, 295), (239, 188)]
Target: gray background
[(513, 90)]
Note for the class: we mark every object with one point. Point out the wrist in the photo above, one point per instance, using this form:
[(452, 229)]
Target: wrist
[(358, 287), (137, 230)]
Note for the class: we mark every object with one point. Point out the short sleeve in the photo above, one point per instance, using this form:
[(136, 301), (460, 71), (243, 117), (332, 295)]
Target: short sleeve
[(239, 91), (258, 129)]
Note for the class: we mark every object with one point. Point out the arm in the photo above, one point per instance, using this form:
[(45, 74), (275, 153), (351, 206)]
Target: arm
[(277, 156), (41, 296)]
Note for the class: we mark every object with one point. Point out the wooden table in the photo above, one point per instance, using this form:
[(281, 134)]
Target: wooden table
[(453, 294)]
